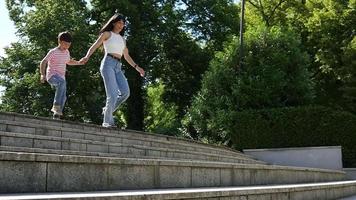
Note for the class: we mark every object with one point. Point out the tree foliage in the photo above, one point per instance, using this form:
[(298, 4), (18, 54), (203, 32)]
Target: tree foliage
[(211, 21), (327, 29), (275, 74), (161, 117), (195, 30), (331, 30)]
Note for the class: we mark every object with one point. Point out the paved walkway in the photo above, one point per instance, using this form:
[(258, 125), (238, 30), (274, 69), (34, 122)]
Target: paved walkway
[(127, 194)]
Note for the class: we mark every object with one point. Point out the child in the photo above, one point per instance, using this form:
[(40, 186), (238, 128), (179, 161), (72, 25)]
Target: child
[(57, 59)]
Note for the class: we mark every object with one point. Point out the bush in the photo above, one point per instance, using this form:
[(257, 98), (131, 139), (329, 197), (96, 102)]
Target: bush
[(296, 127)]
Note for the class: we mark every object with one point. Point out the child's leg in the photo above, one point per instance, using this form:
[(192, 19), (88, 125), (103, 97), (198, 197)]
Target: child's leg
[(62, 90), (60, 94)]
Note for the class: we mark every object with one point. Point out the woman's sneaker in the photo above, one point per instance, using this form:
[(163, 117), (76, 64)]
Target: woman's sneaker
[(107, 125), (56, 110), (56, 116)]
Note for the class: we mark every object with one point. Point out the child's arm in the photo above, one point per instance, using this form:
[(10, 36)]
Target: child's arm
[(75, 62), (43, 66)]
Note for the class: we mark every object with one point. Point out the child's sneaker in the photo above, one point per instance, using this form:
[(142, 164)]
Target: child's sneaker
[(56, 113)]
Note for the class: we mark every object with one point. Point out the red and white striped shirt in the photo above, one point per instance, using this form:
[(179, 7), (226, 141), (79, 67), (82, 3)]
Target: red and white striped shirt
[(57, 62)]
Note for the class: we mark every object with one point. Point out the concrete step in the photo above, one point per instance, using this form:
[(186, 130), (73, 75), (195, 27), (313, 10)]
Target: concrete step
[(14, 122), (349, 198), (315, 191), (11, 139), (36, 172)]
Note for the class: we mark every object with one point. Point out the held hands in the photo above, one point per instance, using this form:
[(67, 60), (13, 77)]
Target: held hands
[(83, 60), (75, 62)]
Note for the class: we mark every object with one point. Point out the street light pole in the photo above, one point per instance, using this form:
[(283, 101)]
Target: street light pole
[(242, 19)]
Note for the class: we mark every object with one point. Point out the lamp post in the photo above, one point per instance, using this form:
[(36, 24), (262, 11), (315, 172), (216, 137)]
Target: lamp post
[(242, 19)]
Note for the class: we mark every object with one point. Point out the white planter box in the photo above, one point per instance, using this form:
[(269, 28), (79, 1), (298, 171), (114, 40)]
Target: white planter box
[(326, 157)]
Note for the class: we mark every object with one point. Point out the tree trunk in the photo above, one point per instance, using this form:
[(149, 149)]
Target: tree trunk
[(135, 108)]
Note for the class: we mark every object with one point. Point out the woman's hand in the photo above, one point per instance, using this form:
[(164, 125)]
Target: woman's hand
[(140, 70)]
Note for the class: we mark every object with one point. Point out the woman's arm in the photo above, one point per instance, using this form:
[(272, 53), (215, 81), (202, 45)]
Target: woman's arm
[(104, 36), (132, 63)]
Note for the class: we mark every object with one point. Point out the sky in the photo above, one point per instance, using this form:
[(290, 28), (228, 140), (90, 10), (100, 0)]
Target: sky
[(7, 33)]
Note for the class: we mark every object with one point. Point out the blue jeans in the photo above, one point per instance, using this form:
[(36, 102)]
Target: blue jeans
[(116, 87), (60, 95)]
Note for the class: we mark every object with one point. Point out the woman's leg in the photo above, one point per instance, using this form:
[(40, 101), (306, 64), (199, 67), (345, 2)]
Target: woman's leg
[(111, 89), (124, 89)]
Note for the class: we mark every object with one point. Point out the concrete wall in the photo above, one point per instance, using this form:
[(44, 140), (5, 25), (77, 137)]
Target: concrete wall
[(25, 172), (328, 157)]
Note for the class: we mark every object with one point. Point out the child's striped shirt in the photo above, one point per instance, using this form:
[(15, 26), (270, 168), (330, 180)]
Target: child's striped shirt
[(57, 62)]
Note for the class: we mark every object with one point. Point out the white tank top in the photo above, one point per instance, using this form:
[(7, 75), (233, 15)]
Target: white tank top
[(115, 44)]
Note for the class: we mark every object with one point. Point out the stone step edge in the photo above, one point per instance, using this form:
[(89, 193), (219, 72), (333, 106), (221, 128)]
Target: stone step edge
[(213, 192), (118, 133), (140, 133), (38, 157), (71, 152), (94, 154), (349, 197), (108, 144)]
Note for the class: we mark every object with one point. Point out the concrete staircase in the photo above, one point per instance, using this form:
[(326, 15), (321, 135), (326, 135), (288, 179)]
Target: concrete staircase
[(41, 158)]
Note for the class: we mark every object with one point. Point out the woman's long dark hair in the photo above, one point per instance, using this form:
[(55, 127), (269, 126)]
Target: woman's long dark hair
[(109, 26)]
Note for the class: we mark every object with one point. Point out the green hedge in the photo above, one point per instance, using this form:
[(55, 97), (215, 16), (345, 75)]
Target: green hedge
[(296, 127)]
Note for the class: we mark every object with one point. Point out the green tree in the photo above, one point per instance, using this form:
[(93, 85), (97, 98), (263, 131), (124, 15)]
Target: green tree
[(183, 64), (327, 29), (161, 117), (331, 30), (211, 22), (276, 12), (192, 31), (349, 88), (275, 75)]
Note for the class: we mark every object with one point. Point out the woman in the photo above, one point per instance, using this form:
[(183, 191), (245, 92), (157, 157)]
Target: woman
[(116, 86)]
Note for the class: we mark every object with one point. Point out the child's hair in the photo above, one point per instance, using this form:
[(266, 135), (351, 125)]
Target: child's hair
[(65, 36)]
